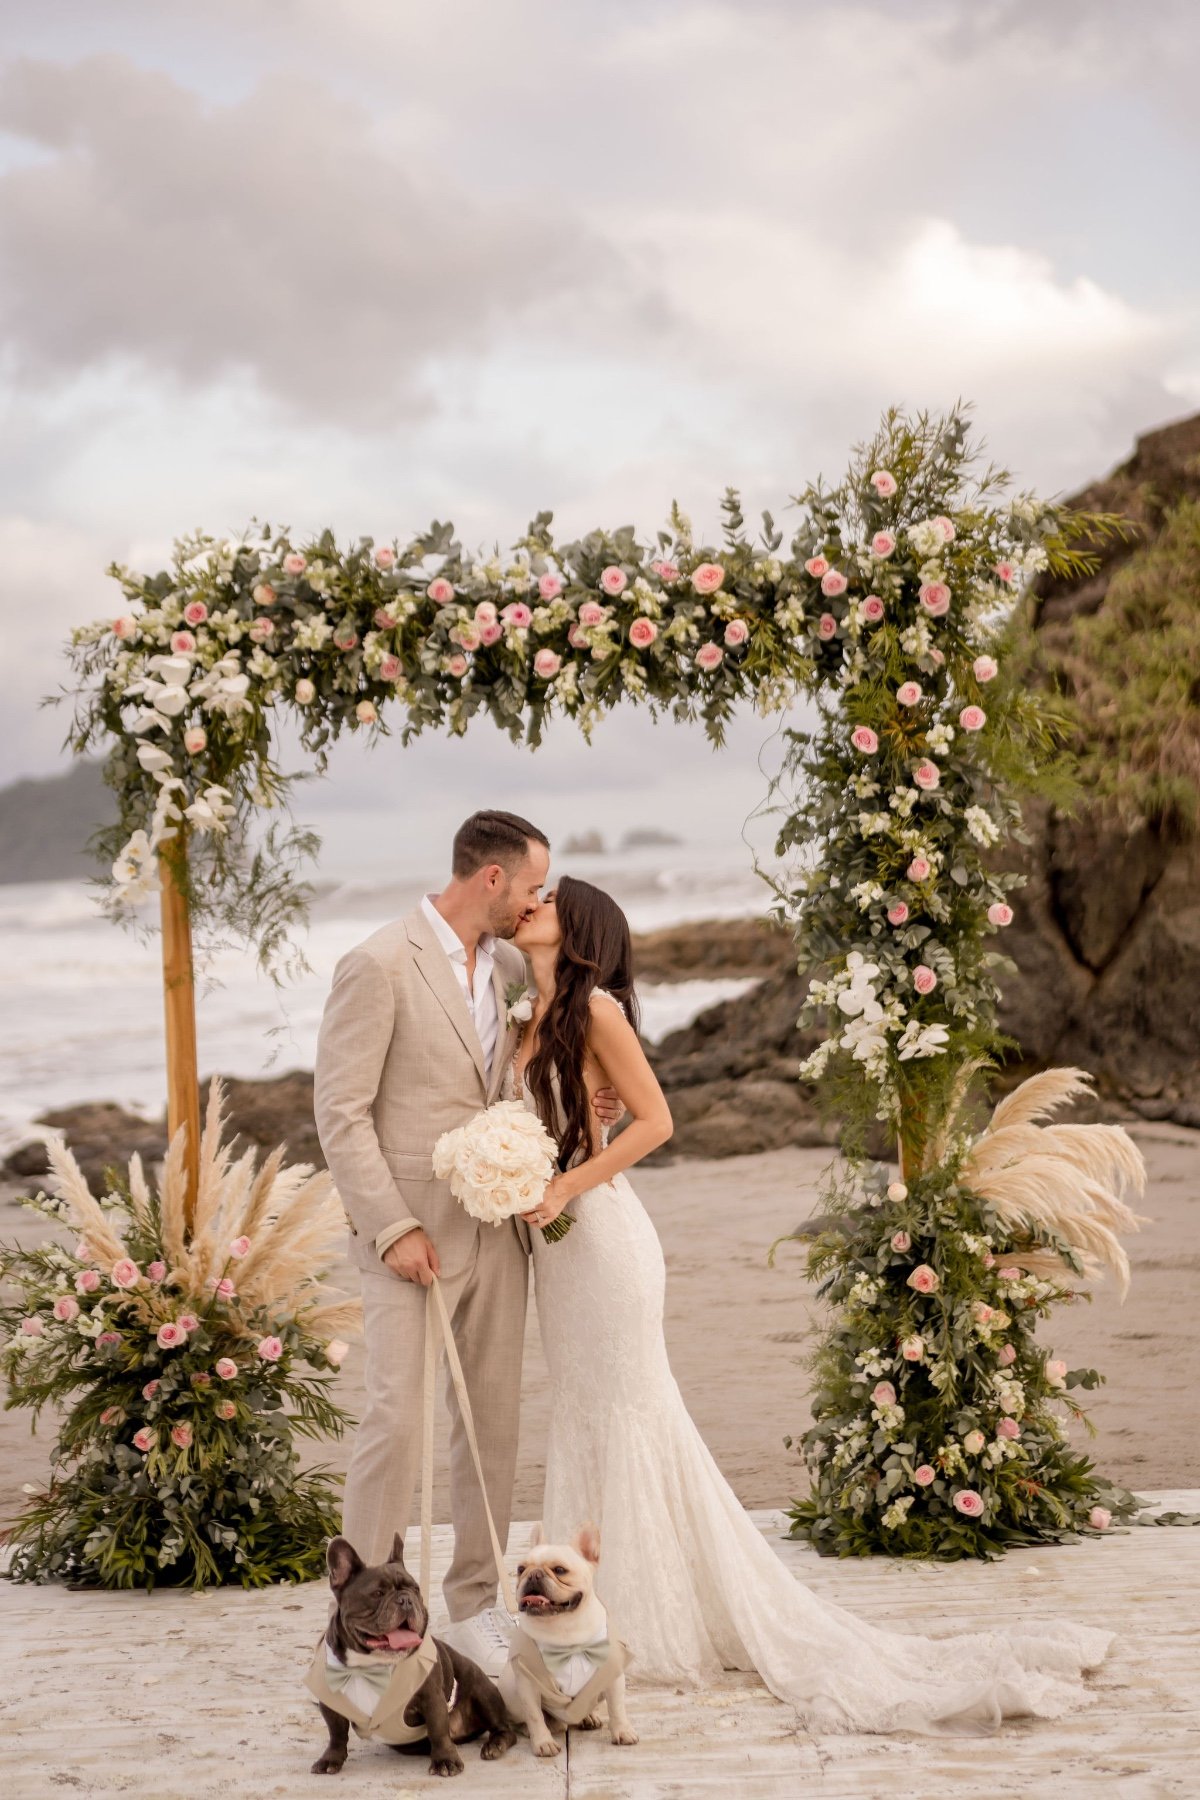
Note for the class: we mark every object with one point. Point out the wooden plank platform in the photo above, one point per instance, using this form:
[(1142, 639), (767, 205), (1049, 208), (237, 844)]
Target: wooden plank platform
[(172, 1695)]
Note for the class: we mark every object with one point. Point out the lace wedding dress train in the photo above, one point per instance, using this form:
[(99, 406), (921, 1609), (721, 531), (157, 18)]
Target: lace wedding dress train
[(692, 1583)]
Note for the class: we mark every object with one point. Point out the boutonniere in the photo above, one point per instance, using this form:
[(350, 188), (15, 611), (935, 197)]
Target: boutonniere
[(518, 1003)]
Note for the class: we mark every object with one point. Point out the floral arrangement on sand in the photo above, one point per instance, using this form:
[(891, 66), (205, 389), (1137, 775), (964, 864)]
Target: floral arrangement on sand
[(183, 1364)]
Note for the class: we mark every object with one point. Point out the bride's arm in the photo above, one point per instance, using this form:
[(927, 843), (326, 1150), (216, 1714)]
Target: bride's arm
[(616, 1047)]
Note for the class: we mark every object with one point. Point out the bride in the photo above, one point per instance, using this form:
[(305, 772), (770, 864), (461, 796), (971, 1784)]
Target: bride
[(692, 1585)]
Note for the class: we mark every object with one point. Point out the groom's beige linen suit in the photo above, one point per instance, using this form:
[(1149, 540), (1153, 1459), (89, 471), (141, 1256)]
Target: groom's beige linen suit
[(399, 1061)]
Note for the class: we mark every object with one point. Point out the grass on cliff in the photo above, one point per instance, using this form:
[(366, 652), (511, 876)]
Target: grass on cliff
[(1135, 670)]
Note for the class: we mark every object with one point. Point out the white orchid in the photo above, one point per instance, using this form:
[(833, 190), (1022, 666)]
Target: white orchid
[(210, 810), (152, 758), (134, 871), (172, 671), (917, 1040), (169, 699)]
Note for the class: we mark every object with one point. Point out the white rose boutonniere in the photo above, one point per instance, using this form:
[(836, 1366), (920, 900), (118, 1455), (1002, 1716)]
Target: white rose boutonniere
[(518, 1003)]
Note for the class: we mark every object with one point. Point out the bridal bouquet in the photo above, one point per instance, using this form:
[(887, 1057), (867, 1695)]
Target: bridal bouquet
[(498, 1165)]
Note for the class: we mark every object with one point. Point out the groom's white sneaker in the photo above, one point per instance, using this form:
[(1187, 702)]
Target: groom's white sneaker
[(485, 1638)]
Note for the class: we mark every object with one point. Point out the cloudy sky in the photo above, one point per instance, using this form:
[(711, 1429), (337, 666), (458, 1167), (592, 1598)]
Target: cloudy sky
[(377, 262)]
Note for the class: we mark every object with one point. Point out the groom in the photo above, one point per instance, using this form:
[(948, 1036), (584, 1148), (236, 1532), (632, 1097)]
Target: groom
[(414, 1041)]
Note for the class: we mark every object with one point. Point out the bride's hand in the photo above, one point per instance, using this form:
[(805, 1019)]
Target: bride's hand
[(553, 1201)]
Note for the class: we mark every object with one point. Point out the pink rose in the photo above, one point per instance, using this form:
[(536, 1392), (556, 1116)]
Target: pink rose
[(33, 1327), (485, 614), (144, 1439), (345, 637), (518, 615), (924, 1476), (83, 1251), (188, 1322), (1006, 1356), (984, 668), (87, 1281), (883, 544), (65, 1309), (927, 775), (642, 633), (591, 614), (294, 563), (546, 664), (150, 1389), (913, 1349), (170, 1335), (336, 1351), (826, 626), (883, 1394), (967, 1501), (195, 739), (1011, 1273), (972, 718), (999, 913), (918, 868), (1056, 1372), (884, 483), (737, 632), (923, 1280), (125, 627), (365, 712), (613, 580), (155, 1271), (1005, 571), (306, 692), (982, 1313), (491, 634), (181, 1436), (864, 740), (240, 1247), (457, 666), (195, 612), (989, 1261), (182, 643), (390, 667), (125, 1274), (226, 1368), (833, 583), (1099, 1518), (1008, 1428), (112, 1415), (225, 1409), (224, 1288), (872, 609), (816, 566), (946, 527), (108, 1340), (709, 656), (549, 587), (264, 594), (908, 693), (666, 571), (935, 598), (924, 979), (385, 557), (270, 1349), (440, 590), (973, 1443), (897, 914), (707, 578), (467, 637), (261, 630), (936, 656), (901, 1242)]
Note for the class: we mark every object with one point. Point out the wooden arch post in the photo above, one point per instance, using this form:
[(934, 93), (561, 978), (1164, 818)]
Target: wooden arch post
[(179, 1009)]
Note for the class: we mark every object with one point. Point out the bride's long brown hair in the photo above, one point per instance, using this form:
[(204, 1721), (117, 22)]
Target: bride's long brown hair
[(596, 951)]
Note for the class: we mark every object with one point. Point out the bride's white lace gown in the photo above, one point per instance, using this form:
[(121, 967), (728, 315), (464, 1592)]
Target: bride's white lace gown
[(693, 1585)]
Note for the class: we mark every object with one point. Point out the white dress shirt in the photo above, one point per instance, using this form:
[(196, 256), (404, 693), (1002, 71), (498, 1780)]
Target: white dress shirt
[(480, 996)]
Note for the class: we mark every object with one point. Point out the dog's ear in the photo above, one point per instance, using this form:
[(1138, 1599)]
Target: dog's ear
[(587, 1542), (537, 1536), (397, 1555), (343, 1561)]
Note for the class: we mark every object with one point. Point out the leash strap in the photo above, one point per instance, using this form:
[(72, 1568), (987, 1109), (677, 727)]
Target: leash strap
[(437, 1325)]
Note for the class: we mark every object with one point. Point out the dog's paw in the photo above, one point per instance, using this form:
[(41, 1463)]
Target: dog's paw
[(549, 1748), (497, 1744), (328, 1765), (593, 1722), (447, 1765), (626, 1735)]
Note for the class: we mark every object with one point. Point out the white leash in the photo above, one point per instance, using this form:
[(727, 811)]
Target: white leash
[(437, 1324)]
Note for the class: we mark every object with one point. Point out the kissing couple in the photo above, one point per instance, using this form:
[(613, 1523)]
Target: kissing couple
[(421, 1030)]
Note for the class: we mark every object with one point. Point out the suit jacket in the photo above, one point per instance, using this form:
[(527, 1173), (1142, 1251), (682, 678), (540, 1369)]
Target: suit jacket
[(399, 1063)]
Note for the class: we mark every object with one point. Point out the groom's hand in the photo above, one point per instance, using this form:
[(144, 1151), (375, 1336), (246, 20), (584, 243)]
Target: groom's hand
[(413, 1258), (608, 1105)]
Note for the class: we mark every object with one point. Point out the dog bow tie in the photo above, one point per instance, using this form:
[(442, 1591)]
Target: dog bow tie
[(376, 1677), (557, 1660)]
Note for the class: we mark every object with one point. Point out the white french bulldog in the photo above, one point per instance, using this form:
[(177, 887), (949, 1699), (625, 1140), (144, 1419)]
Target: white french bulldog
[(568, 1663)]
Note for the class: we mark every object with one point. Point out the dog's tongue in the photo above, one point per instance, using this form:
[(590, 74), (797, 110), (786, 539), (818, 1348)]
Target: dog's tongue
[(402, 1640)]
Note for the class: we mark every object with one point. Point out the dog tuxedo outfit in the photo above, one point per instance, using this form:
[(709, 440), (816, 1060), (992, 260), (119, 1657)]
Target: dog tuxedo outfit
[(372, 1692), (569, 1682)]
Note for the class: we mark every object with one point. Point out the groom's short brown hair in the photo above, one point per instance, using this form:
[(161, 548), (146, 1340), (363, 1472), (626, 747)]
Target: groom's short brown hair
[(493, 837)]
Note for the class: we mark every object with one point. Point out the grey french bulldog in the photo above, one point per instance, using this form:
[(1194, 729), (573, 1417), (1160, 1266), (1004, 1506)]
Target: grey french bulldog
[(380, 1623)]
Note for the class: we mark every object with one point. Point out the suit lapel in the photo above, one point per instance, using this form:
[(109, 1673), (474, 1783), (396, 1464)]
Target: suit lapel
[(506, 1037), (435, 968)]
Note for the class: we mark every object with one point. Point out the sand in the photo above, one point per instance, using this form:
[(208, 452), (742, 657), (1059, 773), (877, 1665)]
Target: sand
[(737, 1329)]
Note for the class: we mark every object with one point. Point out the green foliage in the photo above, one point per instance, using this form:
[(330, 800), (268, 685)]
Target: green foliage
[(923, 1398)]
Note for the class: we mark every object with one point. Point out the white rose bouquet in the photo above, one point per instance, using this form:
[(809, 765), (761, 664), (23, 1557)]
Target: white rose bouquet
[(499, 1164)]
